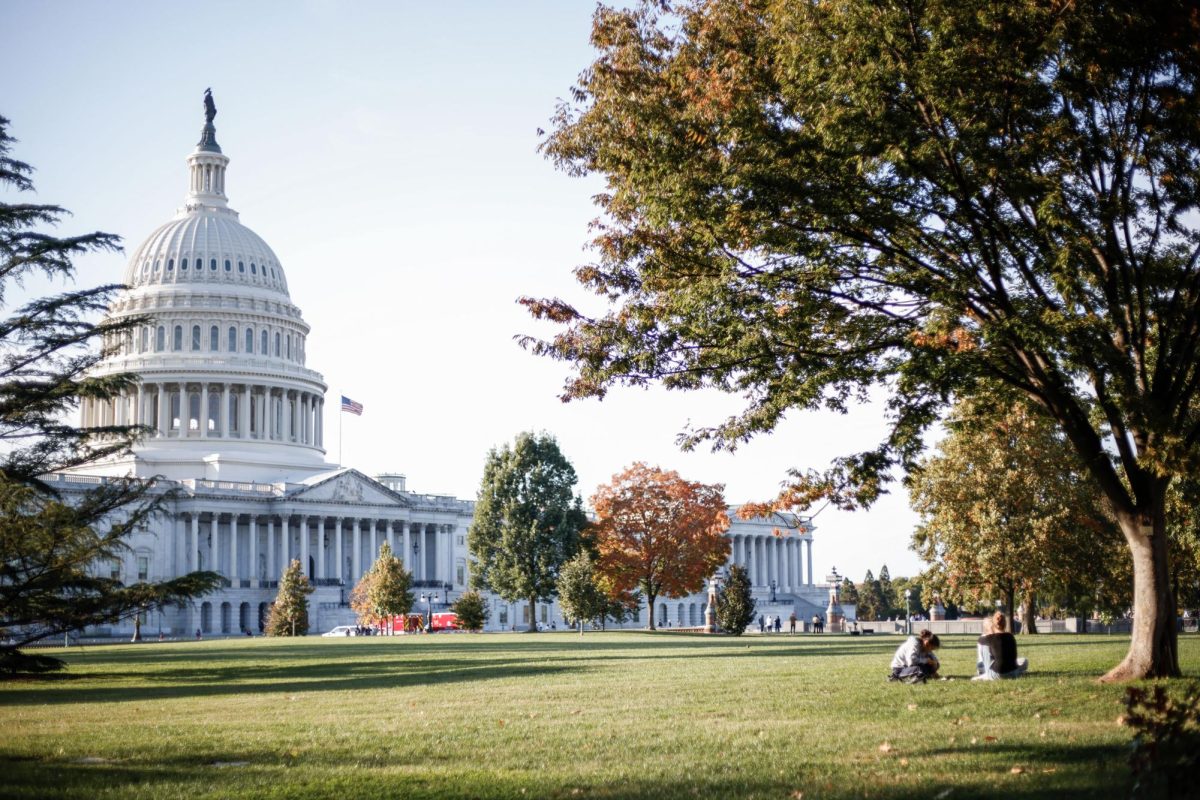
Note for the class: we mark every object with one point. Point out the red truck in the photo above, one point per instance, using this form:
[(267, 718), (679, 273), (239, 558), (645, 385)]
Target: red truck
[(415, 623)]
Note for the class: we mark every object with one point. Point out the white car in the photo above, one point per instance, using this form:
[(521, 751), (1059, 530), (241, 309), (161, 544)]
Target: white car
[(342, 630)]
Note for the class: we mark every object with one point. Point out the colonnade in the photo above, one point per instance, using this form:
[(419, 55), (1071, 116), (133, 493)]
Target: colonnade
[(202, 410), (773, 559), (249, 549)]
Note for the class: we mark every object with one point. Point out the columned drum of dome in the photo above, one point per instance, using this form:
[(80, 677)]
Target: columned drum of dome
[(222, 353)]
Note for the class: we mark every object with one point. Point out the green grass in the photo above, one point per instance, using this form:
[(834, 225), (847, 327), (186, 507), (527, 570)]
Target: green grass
[(551, 715)]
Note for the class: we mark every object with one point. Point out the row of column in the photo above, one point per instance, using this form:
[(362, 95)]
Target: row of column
[(773, 559), (215, 410), (256, 548)]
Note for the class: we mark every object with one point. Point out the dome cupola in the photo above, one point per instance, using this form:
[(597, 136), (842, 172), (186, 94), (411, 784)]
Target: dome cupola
[(221, 349)]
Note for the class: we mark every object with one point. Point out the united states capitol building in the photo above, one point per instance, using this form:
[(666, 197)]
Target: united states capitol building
[(237, 419)]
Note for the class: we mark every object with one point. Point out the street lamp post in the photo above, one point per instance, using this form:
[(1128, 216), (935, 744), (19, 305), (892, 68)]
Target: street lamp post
[(908, 612), (427, 599)]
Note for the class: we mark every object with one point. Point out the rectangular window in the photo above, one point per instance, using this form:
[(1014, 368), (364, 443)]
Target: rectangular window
[(525, 614), (545, 613), (143, 567), (114, 570), (461, 573), (462, 540), (502, 614)]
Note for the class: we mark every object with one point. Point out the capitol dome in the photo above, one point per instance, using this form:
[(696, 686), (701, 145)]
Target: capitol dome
[(219, 347)]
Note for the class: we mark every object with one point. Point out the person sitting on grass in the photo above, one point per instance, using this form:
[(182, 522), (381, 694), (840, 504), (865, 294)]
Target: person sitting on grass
[(997, 651), (914, 661)]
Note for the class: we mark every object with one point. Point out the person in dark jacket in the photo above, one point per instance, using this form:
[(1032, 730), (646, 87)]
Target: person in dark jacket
[(997, 652)]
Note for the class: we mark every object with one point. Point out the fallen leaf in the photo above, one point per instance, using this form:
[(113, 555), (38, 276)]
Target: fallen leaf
[(886, 747), (904, 762), (1017, 770), (974, 740), (1121, 720), (1037, 715), (912, 706), (1048, 770), (989, 738), (501, 722), (943, 794), (797, 795)]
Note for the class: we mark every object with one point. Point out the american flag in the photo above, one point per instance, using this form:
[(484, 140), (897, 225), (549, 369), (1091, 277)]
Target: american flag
[(351, 406)]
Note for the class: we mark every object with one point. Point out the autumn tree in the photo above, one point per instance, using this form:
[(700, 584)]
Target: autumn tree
[(56, 548), (659, 533), (802, 204), (383, 590), (1007, 510), (527, 522), (471, 610), (288, 615), (887, 593), (735, 601)]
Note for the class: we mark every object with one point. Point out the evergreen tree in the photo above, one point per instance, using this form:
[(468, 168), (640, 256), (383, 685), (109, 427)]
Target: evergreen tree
[(527, 522), (870, 599), (735, 602), (471, 610), (55, 550), (848, 593), (289, 613), (886, 593), (579, 594)]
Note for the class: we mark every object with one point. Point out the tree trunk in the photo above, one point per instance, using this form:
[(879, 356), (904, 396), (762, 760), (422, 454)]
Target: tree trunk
[(1010, 597), (650, 599), (1153, 648), (1028, 614), (137, 628), (532, 615)]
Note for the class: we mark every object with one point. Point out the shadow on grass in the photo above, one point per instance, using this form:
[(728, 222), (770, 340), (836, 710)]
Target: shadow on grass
[(1072, 773)]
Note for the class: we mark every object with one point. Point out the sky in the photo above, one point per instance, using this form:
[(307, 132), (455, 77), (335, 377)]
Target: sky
[(388, 153)]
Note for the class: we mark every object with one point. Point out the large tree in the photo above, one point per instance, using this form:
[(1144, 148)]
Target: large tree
[(57, 550), (659, 533), (806, 201), (1008, 512), (527, 522), (735, 603)]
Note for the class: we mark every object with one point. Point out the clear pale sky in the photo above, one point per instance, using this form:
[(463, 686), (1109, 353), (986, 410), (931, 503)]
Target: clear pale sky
[(387, 151)]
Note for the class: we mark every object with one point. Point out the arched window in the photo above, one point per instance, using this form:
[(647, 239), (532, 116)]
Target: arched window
[(241, 266), (195, 337), (170, 265), (156, 265), (277, 340), (232, 340), (253, 269), (183, 265), (160, 339), (289, 347), (214, 339), (228, 266), (212, 264), (177, 339), (263, 341), (249, 340), (145, 339)]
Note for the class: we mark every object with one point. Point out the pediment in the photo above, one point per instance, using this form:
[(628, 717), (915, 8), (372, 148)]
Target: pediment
[(352, 488)]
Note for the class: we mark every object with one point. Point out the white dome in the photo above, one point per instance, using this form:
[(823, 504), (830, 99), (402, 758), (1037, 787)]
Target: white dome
[(205, 245)]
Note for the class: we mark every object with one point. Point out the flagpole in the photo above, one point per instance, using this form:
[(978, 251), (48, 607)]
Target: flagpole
[(341, 414)]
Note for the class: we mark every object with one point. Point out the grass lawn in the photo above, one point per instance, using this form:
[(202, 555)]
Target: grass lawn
[(552, 715)]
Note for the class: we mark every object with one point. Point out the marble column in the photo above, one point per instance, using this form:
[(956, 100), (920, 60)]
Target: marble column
[(340, 572), (303, 531), (224, 415), (234, 573), (406, 551), (252, 525), (808, 543), (202, 420), (285, 543), (322, 549), (272, 571), (193, 546), (356, 556)]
